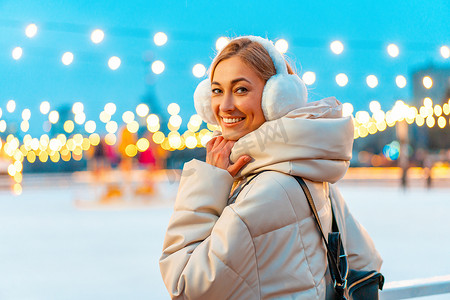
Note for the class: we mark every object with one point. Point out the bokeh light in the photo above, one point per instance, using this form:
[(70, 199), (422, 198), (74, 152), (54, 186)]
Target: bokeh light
[(393, 50), (160, 38), (341, 79), (221, 43), (44, 108), (114, 63), (445, 52), (97, 36), (110, 108), (128, 116), (400, 81), (77, 108), (309, 78), (53, 117), (142, 110), (199, 70), (337, 47), (372, 81), (26, 114), (158, 67), (11, 106), (282, 45), (67, 58), (427, 82), (17, 53), (173, 108), (31, 30)]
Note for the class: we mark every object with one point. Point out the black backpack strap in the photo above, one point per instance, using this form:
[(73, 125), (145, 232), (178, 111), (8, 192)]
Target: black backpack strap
[(339, 281)]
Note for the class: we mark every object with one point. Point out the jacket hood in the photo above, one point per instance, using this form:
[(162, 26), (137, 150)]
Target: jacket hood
[(314, 142)]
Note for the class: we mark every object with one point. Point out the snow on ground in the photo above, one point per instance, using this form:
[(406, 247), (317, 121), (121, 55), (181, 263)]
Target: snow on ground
[(49, 249)]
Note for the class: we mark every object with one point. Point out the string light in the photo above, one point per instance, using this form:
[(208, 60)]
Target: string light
[(17, 53), (97, 36), (160, 38), (114, 63), (341, 79), (158, 67), (309, 78), (67, 58), (31, 30), (393, 50), (282, 45), (337, 47), (221, 43), (199, 70)]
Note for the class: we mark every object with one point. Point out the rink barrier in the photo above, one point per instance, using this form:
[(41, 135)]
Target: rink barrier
[(407, 289)]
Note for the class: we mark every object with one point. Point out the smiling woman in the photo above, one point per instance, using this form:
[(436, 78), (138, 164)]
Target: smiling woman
[(235, 234), (236, 98)]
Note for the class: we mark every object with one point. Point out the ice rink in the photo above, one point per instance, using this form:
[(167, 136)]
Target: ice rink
[(52, 249)]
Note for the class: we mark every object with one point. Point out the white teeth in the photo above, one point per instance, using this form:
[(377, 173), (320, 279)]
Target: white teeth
[(227, 120)]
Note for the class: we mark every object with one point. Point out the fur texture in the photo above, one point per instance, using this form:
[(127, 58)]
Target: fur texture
[(282, 93)]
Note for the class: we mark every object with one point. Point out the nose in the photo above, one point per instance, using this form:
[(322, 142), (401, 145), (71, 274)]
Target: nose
[(227, 103)]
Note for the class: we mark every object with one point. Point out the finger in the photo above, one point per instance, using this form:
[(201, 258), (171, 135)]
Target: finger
[(218, 140), (238, 165), (210, 144)]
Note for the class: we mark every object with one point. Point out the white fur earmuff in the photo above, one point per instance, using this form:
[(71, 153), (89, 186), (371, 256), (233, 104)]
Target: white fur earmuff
[(282, 93)]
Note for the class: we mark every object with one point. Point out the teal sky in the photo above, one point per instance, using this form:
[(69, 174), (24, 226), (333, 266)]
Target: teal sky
[(419, 28)]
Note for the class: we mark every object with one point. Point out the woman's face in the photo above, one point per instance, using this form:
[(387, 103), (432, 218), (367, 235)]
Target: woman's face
[(236, 98)]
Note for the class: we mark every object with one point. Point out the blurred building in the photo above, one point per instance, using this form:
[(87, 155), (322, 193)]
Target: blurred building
[(432, 82)]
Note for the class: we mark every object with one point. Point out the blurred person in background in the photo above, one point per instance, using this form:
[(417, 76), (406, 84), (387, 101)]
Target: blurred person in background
[(241, 226)]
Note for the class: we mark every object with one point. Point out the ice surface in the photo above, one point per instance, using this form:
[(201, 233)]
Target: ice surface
[(49, 249)]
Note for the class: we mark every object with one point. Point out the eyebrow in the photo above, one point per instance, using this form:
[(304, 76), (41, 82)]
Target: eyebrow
[(234, 81)]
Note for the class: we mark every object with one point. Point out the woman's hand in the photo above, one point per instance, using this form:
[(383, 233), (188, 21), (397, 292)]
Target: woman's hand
[(218, 152)]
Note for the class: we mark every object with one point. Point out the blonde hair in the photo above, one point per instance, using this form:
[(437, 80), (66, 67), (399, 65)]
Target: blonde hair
[(253, 54)]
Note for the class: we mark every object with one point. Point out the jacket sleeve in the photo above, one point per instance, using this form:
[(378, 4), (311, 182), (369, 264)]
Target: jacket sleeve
[(207, 251), (358, 245)]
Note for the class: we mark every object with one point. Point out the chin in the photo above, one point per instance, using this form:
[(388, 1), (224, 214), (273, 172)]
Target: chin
[(232, 136)]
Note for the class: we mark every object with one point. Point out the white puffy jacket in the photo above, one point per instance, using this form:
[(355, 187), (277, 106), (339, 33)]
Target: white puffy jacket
[(265, 245)]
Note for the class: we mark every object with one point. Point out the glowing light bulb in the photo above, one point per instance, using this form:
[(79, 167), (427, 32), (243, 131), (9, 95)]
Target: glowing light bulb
[(173, 109), (372, 81), (282, 45), (445, 52), (67, 58), (337, 47), (158, 67), (11, 106), (110, 108), (77, 108), (427, 82), (199, 70), (114, 63), (393, 50), (347, 109), (26, 114), (374, 106), (31, 30), (309, 78), (142, 110), (53, 117), (44, 107), (160, 38), (17, 53), (221, 43), (97, 36), (341, 79), (400, 80)]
